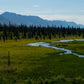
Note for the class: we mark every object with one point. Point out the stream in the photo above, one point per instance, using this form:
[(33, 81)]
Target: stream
[(66, 51)]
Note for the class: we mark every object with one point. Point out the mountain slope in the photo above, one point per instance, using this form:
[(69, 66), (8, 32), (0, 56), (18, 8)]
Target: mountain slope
[(35, 20), (3, 20), (25, 20)]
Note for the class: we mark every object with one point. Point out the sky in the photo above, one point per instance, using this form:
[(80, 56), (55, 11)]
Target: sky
[(69, 10)]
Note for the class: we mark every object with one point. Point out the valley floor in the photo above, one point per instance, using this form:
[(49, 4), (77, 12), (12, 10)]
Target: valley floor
[(40, 65)]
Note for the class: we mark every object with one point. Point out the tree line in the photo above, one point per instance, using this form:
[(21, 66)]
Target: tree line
[(37, 32)]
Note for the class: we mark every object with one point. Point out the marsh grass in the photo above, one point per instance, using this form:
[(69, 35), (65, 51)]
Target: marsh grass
[(75, 46), (39, 65)]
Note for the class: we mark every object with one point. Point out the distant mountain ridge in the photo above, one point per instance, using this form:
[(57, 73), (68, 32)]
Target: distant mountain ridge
[(3, 20), (18, 19)]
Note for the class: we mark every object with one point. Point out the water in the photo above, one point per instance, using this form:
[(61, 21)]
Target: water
[(67, 51)]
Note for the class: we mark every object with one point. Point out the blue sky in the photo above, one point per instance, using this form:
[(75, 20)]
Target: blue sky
[(70, 10)]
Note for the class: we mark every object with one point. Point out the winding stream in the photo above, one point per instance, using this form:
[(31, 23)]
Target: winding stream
[(67, 51)]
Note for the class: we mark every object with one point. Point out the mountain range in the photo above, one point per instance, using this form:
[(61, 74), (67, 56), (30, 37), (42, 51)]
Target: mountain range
[(13, 18)]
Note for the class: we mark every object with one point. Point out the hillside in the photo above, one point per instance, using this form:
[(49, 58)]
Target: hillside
[(18, 19)]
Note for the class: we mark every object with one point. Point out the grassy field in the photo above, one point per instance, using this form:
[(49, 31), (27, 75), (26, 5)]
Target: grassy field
[(40, 65), (75, 46)]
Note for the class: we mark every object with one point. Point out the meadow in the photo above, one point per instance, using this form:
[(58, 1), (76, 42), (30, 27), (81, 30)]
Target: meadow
[(75, 46), (40, 65)]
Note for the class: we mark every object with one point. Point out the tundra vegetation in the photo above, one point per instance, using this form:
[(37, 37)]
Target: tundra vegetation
[(21, 64)]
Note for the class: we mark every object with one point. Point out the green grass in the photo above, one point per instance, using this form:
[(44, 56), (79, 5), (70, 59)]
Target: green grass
[(75, 46), (39, 65)]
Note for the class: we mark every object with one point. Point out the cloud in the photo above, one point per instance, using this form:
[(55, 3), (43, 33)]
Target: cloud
[(75, 18), (35, 6), (50, 15), (1, 11)]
